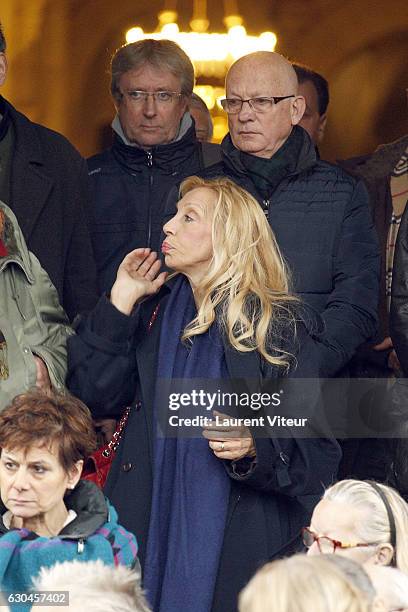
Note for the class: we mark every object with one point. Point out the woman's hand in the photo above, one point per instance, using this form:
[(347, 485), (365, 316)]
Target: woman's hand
[(229, 442), (137, 277)]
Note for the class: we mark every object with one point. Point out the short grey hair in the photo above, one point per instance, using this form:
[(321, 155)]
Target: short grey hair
[(94, 586), (162, 54)]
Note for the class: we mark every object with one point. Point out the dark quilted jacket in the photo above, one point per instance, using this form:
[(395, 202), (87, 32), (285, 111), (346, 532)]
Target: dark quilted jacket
[(129, 187), (322, 222)]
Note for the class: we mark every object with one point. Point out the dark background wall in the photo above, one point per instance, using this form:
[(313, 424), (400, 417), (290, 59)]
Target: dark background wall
[(59, 51)]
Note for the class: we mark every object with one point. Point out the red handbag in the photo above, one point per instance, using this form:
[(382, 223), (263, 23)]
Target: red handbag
[(97, 466)]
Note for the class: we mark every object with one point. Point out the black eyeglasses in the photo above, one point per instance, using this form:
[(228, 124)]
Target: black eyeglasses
[(260, 105)]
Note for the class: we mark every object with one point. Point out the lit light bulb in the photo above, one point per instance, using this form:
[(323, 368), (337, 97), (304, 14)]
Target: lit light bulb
[(268, 40), (170, 30), (237, 31), (134, 34)]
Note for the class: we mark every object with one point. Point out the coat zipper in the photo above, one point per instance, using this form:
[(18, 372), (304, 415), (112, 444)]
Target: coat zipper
[(149, 224), (265, 207)]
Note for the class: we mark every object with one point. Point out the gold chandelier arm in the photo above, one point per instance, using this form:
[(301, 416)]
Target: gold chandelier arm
[(199, 22), (232, 17), (168, 14)]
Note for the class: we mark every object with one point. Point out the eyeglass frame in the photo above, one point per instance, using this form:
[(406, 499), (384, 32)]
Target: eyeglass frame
[(337, 544), (276, 100), (145, 95)]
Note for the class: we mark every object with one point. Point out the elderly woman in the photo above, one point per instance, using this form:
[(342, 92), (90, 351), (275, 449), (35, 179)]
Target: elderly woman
[(207, 510), (33, 326), (364, 520), (48, 514)]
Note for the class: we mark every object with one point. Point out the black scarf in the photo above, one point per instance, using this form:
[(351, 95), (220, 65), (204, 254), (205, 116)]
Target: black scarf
[(266, 174)]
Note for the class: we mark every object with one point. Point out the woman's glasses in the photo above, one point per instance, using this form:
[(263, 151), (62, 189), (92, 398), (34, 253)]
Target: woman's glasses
[(326, 545)]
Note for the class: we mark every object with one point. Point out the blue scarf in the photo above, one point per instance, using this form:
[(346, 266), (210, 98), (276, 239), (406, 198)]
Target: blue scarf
[(190, 485)]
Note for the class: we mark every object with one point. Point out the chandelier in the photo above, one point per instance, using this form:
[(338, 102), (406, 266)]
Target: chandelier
[(212, 53)]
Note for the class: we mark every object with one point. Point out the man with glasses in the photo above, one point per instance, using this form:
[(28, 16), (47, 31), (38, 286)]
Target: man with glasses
[(319, 213), (154, 147)]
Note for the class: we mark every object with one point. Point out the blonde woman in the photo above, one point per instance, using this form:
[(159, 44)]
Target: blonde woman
[(364, 520), (206, 510), (302, 584)]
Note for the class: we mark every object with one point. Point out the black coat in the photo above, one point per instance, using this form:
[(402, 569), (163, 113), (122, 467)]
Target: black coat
[(113, 359), (399, 300), (376, 170), (129, 188), (322, 223), (48, 195)]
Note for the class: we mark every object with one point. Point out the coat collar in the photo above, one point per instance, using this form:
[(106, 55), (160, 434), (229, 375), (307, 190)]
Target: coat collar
[(30, 185), (17, 251), (168, 157), (379, 164), (90, 505)]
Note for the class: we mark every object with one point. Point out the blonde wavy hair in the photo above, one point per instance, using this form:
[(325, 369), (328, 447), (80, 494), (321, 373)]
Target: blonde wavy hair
[(246, 287), (375, 524), (300, 584)]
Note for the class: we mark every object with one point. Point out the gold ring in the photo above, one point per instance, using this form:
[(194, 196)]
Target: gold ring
[(222, 446)]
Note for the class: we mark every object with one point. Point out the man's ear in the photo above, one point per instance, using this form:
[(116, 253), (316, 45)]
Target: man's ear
[(322, 126), (3, 68), (297, 109)]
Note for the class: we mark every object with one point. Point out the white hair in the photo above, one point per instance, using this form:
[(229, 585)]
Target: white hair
[(300, 584), (93, 586), (374, 525), (390, 584)]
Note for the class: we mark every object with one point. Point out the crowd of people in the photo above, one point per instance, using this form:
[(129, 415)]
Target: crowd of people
[(165, 269)]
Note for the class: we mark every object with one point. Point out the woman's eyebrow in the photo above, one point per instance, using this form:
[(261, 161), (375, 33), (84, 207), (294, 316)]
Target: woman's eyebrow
[(39, 462), (195, 205), (9, 457)]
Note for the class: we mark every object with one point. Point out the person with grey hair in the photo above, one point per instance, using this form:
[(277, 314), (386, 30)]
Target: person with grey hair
[(93, 586), (154, 147), (202, 118), (362, 520), (301, 584)]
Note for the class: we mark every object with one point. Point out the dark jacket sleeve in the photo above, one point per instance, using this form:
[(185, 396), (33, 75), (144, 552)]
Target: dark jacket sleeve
[(399, 301), (102, 368), (351, 313), (295, 465), (80, 283)]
